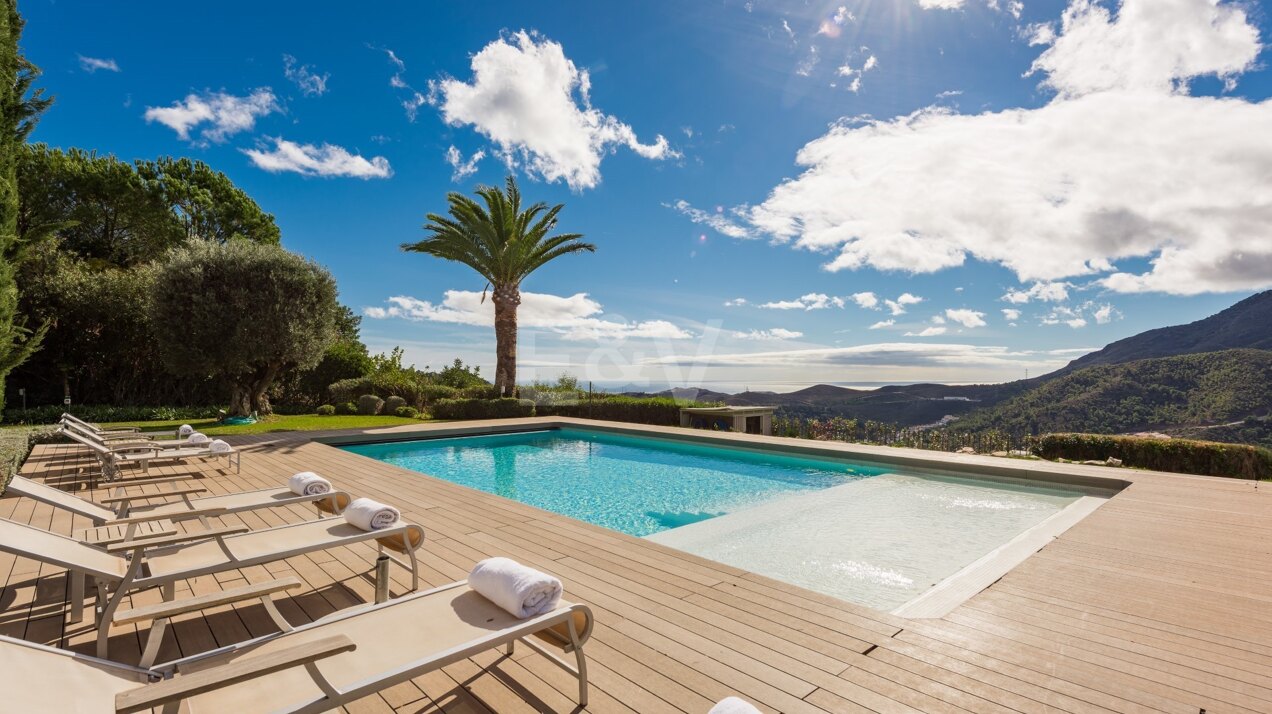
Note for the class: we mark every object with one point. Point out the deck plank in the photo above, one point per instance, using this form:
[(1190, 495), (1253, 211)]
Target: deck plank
[(1160, 601)]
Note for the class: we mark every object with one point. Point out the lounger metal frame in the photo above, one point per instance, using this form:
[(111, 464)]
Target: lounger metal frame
[(549, 623)]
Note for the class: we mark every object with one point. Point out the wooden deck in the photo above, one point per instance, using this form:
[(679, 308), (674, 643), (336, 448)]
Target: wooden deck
[(1159, 601)]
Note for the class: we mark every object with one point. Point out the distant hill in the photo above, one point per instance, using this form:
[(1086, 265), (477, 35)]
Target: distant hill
[(1246, 324), (1150, 391), (1166, 393), (911, 404)]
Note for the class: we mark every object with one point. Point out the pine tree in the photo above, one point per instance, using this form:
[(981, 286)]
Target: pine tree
[(20, 109)]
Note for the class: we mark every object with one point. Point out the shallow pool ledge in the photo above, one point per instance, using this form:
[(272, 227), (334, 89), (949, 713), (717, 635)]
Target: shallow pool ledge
[(958, 588)]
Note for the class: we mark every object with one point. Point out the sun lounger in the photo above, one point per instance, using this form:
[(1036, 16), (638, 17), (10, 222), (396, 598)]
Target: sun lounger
[(123, 567), (134, 509), (113, 457), (123, 440), (71, 418), (312, 668)]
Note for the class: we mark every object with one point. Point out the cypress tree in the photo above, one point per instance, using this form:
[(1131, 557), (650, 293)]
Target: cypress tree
[(20, 109)]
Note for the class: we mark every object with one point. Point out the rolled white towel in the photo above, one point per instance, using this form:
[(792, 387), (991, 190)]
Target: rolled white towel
[(219, 447), (197, 439), (524, 592), (184, 431), (733, 705), (371, 515), (308, 483)]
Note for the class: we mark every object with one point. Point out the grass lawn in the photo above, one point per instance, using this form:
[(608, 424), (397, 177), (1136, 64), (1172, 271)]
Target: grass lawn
[(278, 422)]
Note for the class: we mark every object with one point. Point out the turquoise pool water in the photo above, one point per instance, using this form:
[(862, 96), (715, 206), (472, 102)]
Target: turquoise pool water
[(634, 485)]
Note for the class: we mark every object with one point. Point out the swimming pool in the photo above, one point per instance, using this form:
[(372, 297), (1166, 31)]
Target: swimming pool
[(636, 486), (861, 532)]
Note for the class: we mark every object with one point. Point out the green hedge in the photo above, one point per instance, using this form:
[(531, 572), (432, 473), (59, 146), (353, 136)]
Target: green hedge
[(51, 414), (660, 411), (1206, 458), (482, 408), (416, 393), (15, 446)]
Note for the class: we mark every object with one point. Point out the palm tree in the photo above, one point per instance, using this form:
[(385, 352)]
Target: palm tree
[(504, 244)]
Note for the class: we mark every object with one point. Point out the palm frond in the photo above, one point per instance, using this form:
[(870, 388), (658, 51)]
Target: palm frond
[(495, 236)]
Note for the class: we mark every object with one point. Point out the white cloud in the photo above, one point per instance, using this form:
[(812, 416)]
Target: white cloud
[(872, 355), (941, 4), (225, 113), (867, 300), (777, 333), (938, 320), (1104, 314), (529, 99), (92, 64), (326, 160), (1152, 45), (966, 318), (735, 302), (573, 317), (882, 324), (898, 306), (833, 26), (1068, 189), (854, 75), (463, 168), (716, 221), (1039, 33), (1045, 291), (927, 332), (811, 301), (1011, 314), (311, 83)]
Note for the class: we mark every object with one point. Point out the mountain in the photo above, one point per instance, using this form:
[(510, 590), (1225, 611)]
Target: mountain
[(1161, 394), (1246, 324), (1244, 327), (911, 404)]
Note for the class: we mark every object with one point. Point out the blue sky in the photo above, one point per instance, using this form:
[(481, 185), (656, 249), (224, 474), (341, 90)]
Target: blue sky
[(1038, 178)]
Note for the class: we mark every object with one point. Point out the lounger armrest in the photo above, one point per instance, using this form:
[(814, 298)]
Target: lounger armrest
[(182, 515), (144, 543), (248, 668), (202, 602), (130, 447), (152, 481), (160, 494)]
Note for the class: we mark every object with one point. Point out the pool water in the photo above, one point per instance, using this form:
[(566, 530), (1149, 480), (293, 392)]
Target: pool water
[(855, 531), (637, 486), (880, 542)]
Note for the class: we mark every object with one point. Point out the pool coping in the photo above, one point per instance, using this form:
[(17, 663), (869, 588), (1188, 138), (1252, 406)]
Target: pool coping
[(1028, 470)]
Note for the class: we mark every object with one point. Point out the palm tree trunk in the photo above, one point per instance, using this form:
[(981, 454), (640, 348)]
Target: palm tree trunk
[(506, 299)]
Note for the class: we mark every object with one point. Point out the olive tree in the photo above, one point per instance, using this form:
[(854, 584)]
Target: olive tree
[(242, 312)]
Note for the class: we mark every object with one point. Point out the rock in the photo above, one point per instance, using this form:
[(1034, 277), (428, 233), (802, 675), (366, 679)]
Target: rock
[(1019, 452), (1151, 435), (1092, 462), (998, 453), (1113, 462), (965, 450)]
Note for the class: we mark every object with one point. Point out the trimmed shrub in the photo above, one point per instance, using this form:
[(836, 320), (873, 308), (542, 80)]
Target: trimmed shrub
[(660, 411), (15, 447), (482, 408), (484, 391), (1206, 458), (392, 404), (347, 408), (407, 412), (52, 413), (369, 404), (417, 392), (326, 410)]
